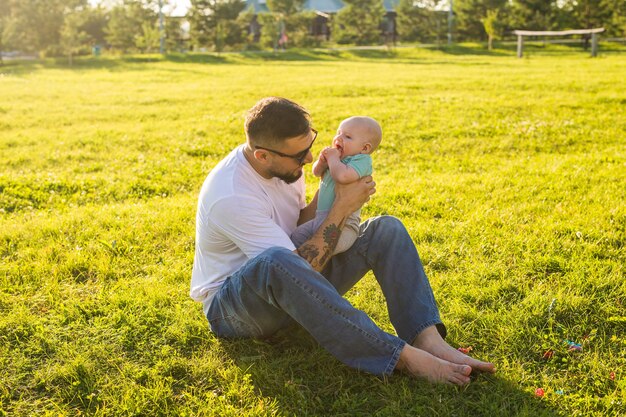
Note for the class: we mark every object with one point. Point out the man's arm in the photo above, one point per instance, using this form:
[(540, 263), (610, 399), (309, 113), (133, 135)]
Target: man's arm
[(349, 198), (308, 213), (245, 221), (341, 173)]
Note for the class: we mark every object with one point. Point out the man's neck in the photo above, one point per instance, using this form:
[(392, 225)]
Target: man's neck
[(248, 153)]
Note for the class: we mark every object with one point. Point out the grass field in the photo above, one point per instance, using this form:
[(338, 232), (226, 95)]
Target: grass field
[(510, 175)]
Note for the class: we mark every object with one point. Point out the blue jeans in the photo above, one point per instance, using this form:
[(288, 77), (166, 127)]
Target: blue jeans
[(278, 287)]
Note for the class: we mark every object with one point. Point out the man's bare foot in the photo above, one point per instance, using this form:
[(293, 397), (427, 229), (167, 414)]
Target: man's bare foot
[(431, 341), (419, 363)]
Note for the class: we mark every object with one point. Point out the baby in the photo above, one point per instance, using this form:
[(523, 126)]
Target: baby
[(348, 159)]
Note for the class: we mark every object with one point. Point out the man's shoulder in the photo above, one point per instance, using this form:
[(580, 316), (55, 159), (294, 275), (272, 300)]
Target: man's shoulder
[(228, 175), (228, 181)]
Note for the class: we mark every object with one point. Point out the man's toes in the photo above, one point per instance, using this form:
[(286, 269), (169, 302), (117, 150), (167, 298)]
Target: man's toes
[(464, 370), (459, 379), (485, 367)]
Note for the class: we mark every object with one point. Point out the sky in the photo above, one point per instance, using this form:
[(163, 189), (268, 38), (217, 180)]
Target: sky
[(180, 7)]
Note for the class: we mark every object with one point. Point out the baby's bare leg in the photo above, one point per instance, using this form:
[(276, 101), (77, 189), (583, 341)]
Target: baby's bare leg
[(349, 233)]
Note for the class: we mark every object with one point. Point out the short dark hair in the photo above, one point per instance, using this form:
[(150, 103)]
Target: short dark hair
[(273, 119)]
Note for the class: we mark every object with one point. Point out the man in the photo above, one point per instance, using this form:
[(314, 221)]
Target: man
[(253, 281)]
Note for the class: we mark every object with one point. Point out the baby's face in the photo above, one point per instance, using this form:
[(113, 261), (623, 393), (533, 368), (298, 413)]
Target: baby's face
[(352, 137)]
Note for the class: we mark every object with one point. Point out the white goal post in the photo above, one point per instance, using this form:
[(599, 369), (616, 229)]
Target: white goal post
[(593, 32)]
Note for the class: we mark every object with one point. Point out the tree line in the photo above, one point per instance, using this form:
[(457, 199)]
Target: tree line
[(69, 27)]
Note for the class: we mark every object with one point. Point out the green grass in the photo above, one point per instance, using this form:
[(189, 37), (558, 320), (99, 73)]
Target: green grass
[(509, 174)]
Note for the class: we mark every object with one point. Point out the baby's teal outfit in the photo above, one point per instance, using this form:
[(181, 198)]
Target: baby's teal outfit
[(362, 164)]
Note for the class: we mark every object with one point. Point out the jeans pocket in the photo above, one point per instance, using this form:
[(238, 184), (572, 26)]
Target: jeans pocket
[(232, 327)]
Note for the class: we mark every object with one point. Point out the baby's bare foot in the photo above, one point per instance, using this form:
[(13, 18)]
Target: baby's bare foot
[(421, 364), (430, 341)]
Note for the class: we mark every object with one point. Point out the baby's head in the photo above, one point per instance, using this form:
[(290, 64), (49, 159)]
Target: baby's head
[(356, 135)]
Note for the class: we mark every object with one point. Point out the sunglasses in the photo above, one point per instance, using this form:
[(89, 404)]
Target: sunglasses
[(300, 156)]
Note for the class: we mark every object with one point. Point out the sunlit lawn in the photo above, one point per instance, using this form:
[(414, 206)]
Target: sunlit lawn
[(509, 173)]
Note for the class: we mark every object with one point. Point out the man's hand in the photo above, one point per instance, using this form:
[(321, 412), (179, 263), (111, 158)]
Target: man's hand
[(350, 197)]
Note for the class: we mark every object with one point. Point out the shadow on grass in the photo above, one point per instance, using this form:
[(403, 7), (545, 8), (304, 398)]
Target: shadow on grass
[(476, 50), (196, 58), (402, 54), (285, 56), (143, 62), (304, 379), (375, 53), (20, 67), (109, 63)]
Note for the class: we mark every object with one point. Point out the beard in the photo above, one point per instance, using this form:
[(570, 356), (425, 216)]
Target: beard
[(289, 178)]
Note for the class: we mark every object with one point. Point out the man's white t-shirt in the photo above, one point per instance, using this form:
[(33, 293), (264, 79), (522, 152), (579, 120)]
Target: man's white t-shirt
[(240, 214)]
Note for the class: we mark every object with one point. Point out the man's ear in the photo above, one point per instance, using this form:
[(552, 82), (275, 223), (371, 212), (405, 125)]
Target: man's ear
[(367, 148), (261, 155)]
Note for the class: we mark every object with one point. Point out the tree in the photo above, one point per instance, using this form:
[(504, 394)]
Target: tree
[(175, 39), (126, 24), (419, 21), (490, 23), (586, 14), (285, 7), (589, 14), (73, 38), (95, 21), (468, 16), (617, 24), (35, 25), (149, 38), (5, 11), (200, 29), (359, 22), (214, 23), (535, 14), (270, 29), (299, 27), (287, 24)]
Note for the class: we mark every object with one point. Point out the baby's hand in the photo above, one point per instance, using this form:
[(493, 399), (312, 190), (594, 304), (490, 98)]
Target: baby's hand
[(331, 152)]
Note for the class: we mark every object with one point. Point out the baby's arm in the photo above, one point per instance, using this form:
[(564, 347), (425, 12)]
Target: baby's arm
[(341, 173), (321, 165)]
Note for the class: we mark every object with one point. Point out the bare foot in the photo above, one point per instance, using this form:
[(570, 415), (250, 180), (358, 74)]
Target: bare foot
[(419, 363), (430, 341)]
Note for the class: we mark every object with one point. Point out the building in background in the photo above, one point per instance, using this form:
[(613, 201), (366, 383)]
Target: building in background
[(324, 10)]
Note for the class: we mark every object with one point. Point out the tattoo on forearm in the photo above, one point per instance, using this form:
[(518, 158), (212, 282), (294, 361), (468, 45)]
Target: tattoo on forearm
[(311, 252), (308, 252), (331, 237)]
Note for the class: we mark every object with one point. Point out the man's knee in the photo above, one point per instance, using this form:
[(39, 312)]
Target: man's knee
[(276, 252), (387, 226), (280, 265), (389, 222)]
